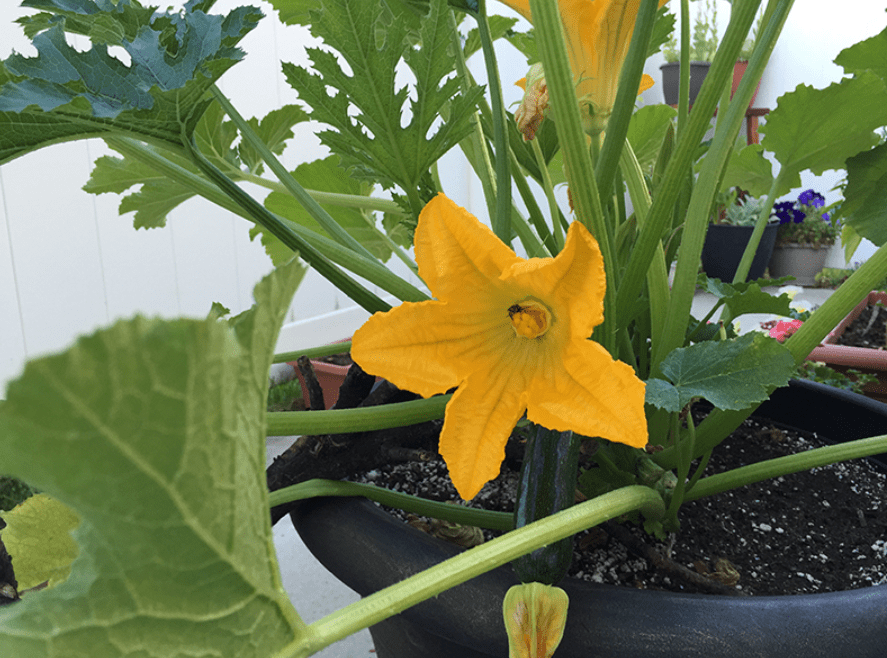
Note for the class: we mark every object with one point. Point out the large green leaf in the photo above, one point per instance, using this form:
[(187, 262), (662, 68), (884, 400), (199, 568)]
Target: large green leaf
[(326, 176), (818, 129), (646, 131), (867, 55), (63, 94), (373, 142), (154, 433), (160, 192), (749, 170), (747, 297), (731, 374), (865, 206)]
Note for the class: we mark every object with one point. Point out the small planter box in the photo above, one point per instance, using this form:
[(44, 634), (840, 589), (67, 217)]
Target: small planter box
[(866, 360)]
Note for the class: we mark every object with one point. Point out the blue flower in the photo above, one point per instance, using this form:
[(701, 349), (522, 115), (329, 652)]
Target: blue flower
[(799, 216), (805, 197), (825, 217), (784, 211)]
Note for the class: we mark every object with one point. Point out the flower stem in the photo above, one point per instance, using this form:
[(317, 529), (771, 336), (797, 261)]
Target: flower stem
[(577, 160), (364, 419), (456, 513), (773, 468)]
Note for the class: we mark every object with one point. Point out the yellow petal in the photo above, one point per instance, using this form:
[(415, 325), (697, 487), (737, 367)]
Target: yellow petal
[(646, 83), (429, 347), (457, 255), (478, 421), (592, 394), (535, 616)]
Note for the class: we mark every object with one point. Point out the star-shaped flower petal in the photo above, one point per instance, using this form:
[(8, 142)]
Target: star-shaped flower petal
[(512, 335)]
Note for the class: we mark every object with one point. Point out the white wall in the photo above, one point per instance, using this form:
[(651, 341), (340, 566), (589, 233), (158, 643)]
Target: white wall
[(69, 264)]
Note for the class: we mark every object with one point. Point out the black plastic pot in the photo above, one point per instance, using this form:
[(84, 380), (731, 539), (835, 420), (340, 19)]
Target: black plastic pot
[(368, 550), (724, 246), (671, 77)]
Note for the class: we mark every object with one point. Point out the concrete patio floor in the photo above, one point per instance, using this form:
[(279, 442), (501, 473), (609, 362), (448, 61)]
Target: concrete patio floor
[(316, 593)]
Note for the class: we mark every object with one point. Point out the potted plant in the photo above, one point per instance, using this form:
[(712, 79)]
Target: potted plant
[(727, 239), (871, 359), (151, 432), (805, 232), (703, 46)]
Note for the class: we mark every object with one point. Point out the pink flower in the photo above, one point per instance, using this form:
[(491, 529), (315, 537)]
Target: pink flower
[(783, 330)]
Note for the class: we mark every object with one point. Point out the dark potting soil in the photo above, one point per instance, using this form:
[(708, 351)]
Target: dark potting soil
[(868, 330), (815, 531), (338, 359)]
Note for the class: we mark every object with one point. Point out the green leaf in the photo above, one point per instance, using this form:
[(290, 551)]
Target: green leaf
[(818, 129), (749, 170), (274, 130), (102, 21), (326, 176), (62, 94), (865, 205), (161, 193), (373, 142), (731, 374), (747, 297), (646, 132), (38, 538), (867, 55), (499, 27), (153, 432)]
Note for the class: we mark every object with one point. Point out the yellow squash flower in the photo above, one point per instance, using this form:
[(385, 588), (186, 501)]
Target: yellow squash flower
[(598, 34), (535, 617), (511, 334)]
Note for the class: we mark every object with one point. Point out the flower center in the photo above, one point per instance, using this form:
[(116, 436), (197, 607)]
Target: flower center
[(529, 319)]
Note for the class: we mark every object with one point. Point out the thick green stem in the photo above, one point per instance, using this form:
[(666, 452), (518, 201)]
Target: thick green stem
[(363, 419), (774, 468), (285, 234), (313, 208), (478, 518), (696, 223), (472, 563), (577, 161), (626, 95), (501, 220)]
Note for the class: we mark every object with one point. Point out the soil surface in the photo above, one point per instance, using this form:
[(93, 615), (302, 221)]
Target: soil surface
[(816, 531), (338, 359), (868, 330)]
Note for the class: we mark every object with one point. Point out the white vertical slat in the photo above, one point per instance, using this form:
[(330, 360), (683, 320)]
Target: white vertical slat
[(12, 337)]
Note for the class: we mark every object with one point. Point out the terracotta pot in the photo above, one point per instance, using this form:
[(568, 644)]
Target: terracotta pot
[(798, 260), (329, 376), (739, 71), (368, 550), (864, 359)]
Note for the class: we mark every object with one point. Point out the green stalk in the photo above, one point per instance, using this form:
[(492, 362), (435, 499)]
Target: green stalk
[(285, 234), (657, 274), (626, 95), (313, 208), (675, 177), (478, 518), (773, 468), (474, 562), (314, 352), (475, 145), (501, 220), (369, 269), (362, 419), (684, 70), (577, 160), (696, 223), (557, 233)]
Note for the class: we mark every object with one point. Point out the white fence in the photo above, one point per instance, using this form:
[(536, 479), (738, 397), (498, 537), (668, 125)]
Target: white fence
[(70, 264)]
